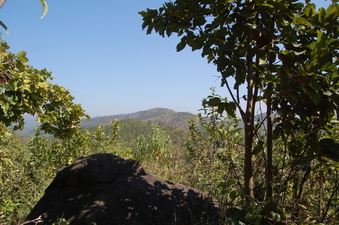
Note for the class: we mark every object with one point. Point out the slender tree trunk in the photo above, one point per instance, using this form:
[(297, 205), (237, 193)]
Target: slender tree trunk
[(269, 163), (249, 183), (249, 121)]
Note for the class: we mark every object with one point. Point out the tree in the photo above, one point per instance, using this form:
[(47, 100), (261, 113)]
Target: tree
[(285, 53), (212, 154), (25, 90)]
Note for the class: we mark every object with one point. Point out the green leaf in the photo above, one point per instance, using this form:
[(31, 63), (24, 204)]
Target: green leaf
[(310, 10), (258, 148), (181, 46), (44, 8), (20, 65), (314, 84), (329, 149), (44, 84), (4, 26), (332, 11), (229, 72), (221, 108), (233, 195), (22, 56), (228, 183), (214, 101), (267, 5), (268, 208), (285, 52), (230, 108), (199, 21), (301, 21), (231, 182), (247, 13), (313, 94)]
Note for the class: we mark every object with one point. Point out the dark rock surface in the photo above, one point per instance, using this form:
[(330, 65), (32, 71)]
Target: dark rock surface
[(107, 189)]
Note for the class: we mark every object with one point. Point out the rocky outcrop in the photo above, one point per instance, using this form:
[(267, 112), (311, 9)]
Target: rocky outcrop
[(107, 189)]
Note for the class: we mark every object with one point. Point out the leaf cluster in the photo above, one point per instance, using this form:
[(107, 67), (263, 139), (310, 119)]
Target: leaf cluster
[(26, 90), (285, 53)]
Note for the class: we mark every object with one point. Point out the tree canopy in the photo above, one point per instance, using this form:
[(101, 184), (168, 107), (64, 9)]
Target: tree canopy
[(284, 53), (26, 90)]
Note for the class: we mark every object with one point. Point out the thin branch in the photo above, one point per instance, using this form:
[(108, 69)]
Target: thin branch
[(336, 188), (242, 113)]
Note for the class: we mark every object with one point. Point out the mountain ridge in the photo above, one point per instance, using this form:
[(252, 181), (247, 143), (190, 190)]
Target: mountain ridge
[(163, 116)]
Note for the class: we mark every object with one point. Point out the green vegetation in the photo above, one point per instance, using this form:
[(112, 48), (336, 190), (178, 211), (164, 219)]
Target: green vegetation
[(165, 117), (281, 167), (284, 54), (25, 90), (210, 160)]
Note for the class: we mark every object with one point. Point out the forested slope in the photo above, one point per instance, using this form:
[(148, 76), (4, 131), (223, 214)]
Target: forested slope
[(165, 117), (162, 116)]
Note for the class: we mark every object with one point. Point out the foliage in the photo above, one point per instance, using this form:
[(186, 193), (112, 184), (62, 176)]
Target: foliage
[(105, 139), (214, 152), (154, 146), (131, 129), (165, 117), (26, 170), (285, 53), (25, 90), (61, 221), (10, 172), (211, 161)]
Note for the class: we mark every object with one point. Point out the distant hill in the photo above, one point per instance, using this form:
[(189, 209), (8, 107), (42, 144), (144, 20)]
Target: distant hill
[(163, 116), (134, 125)]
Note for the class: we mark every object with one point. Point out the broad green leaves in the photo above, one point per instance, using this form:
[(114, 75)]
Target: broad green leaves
[(283, 53), (329, 149), (29, 91), (220, 104)]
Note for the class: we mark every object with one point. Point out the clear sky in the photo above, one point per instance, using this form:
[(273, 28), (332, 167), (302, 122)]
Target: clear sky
[(98, 50)]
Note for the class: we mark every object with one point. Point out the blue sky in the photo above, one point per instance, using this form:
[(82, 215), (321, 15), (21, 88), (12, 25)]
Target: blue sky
[(98, 50)]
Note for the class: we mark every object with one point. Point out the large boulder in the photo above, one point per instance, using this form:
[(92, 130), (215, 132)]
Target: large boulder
[(107, 189)]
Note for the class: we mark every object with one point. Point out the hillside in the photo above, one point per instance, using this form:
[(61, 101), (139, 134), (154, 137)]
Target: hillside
[(165, 117)]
